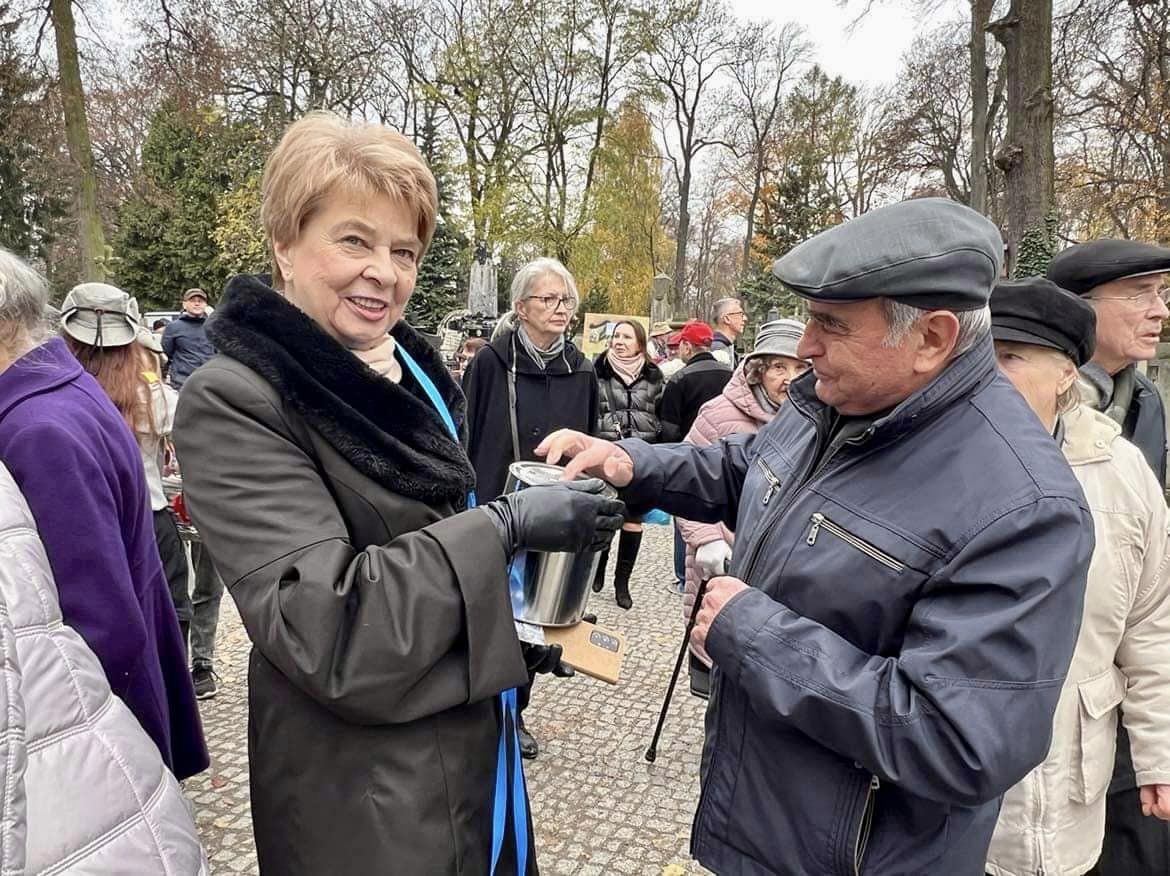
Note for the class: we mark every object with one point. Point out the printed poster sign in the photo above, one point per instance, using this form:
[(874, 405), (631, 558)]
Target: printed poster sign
[(598, 327)]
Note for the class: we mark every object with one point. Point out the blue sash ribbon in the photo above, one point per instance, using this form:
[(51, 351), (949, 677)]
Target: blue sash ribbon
[(509, 720)]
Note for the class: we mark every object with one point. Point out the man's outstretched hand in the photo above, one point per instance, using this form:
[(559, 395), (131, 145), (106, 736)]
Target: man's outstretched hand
[(589, 455)]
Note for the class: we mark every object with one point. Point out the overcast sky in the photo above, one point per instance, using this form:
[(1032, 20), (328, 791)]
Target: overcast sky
[(868, 53)]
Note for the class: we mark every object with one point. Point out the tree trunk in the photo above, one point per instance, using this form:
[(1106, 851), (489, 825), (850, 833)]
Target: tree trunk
[(753, 203), (1163, 65), (680, 250), (1026, 155), (980, 18), (90, 236)]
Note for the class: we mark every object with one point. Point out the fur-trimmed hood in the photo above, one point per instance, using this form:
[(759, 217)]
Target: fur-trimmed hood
[(389, 432)]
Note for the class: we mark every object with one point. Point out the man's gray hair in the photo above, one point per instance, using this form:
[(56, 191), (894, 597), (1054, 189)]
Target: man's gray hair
[(24, 296), (522, 285), (721, 307), (974, 325)]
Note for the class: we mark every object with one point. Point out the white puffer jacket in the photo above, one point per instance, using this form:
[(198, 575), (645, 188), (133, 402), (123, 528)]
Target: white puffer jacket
[(83, 789), (1054, 820)]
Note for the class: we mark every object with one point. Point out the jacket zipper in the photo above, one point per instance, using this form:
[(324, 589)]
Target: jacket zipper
[(765, 525), (820, 521), (866, 823), (773, 481)]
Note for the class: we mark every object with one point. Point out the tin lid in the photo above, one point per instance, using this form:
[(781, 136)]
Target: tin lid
[(533, 473)]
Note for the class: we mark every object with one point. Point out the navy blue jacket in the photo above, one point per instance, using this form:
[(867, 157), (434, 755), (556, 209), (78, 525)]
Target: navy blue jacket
[(185, 342), (1145, 425), (914, 604)]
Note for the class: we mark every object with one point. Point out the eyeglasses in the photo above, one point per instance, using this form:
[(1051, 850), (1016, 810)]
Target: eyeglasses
[(553, 302), (1142, 298)]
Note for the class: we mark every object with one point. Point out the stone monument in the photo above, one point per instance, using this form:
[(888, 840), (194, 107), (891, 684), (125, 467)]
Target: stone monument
[(481, 288)]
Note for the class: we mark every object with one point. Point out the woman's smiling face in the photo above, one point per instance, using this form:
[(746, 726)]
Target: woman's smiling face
[(353, 266)]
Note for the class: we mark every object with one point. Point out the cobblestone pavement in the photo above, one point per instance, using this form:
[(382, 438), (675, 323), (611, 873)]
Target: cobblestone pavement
[(598, 806)]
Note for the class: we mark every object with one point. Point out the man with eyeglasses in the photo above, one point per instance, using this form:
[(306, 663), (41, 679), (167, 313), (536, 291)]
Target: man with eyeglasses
[(729, 321), (1125, 281)]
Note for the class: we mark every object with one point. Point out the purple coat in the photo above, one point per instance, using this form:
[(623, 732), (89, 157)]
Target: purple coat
[(79, 468)]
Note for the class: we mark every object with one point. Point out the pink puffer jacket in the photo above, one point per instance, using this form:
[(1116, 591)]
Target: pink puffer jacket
[(734, 410)]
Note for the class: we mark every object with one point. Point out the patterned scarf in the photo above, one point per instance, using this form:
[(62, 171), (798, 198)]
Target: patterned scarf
[(537, 355)]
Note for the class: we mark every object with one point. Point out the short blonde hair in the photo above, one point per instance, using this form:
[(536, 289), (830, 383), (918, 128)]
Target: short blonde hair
[(321, 154)]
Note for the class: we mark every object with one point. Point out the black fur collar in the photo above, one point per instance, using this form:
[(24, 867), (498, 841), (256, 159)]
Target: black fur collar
[(385, 431)]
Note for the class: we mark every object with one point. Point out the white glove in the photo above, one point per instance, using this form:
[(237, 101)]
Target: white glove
[(712, 558)]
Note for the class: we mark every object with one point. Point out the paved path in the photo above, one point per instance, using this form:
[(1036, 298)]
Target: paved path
[(598, 806)]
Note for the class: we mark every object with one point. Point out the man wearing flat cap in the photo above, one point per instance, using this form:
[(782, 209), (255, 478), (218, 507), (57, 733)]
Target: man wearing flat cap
[(1125, 281), (908, 573)]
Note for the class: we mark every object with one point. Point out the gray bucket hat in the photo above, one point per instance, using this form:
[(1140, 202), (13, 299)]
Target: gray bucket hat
[(778, 338), (100, 315)]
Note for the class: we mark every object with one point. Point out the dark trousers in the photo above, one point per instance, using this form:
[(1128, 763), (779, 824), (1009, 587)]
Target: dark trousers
[(174, 562), (205, 600), (680, 556), (1135, 844)]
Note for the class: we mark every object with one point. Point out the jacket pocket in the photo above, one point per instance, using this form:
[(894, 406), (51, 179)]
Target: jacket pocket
[(819, 523), (1096, 743)]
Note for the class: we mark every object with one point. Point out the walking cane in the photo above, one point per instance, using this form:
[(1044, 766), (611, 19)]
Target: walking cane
[(652, 751)]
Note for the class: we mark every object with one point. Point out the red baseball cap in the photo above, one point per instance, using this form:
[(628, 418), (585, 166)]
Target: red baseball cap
[(697, 332)]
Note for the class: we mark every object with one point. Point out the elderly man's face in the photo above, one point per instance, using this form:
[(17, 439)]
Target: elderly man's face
[(1130, 314), (353, 267), (856, 373)]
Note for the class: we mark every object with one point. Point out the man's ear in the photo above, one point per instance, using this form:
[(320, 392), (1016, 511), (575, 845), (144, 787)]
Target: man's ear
[(938, 331)]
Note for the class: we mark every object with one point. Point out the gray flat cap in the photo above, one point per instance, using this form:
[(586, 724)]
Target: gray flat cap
[(930, 252)]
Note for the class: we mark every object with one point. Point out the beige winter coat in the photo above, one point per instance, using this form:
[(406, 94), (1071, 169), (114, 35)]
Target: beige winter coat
[(1054, 820)]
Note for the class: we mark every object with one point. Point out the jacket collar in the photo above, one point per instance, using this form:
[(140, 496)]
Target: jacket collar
[(739, 393), (42, 369), (384, 430), (1088, 436), (699, 357), (958, 380)]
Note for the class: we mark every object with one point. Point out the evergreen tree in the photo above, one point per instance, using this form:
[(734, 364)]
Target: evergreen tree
[(166, 233), (442, 276)]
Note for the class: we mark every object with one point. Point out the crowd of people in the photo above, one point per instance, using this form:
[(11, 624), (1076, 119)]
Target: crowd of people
[(926, 531)]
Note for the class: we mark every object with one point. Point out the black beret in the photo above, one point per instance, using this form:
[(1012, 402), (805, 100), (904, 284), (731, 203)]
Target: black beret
[(1082, 268), (929, 252), (1037, 311)]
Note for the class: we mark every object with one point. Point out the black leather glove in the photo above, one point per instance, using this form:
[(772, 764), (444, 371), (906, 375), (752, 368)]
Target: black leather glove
[(542, 659), (573, 517)]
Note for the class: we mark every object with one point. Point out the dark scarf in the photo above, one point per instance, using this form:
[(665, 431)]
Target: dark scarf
[(386, 431)]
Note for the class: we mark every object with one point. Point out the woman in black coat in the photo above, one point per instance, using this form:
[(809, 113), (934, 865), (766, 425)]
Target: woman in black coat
[(323, 466), (527, 383), (630, 388)]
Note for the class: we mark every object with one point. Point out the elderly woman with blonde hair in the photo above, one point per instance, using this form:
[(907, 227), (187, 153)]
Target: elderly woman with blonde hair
[(323, 467)]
